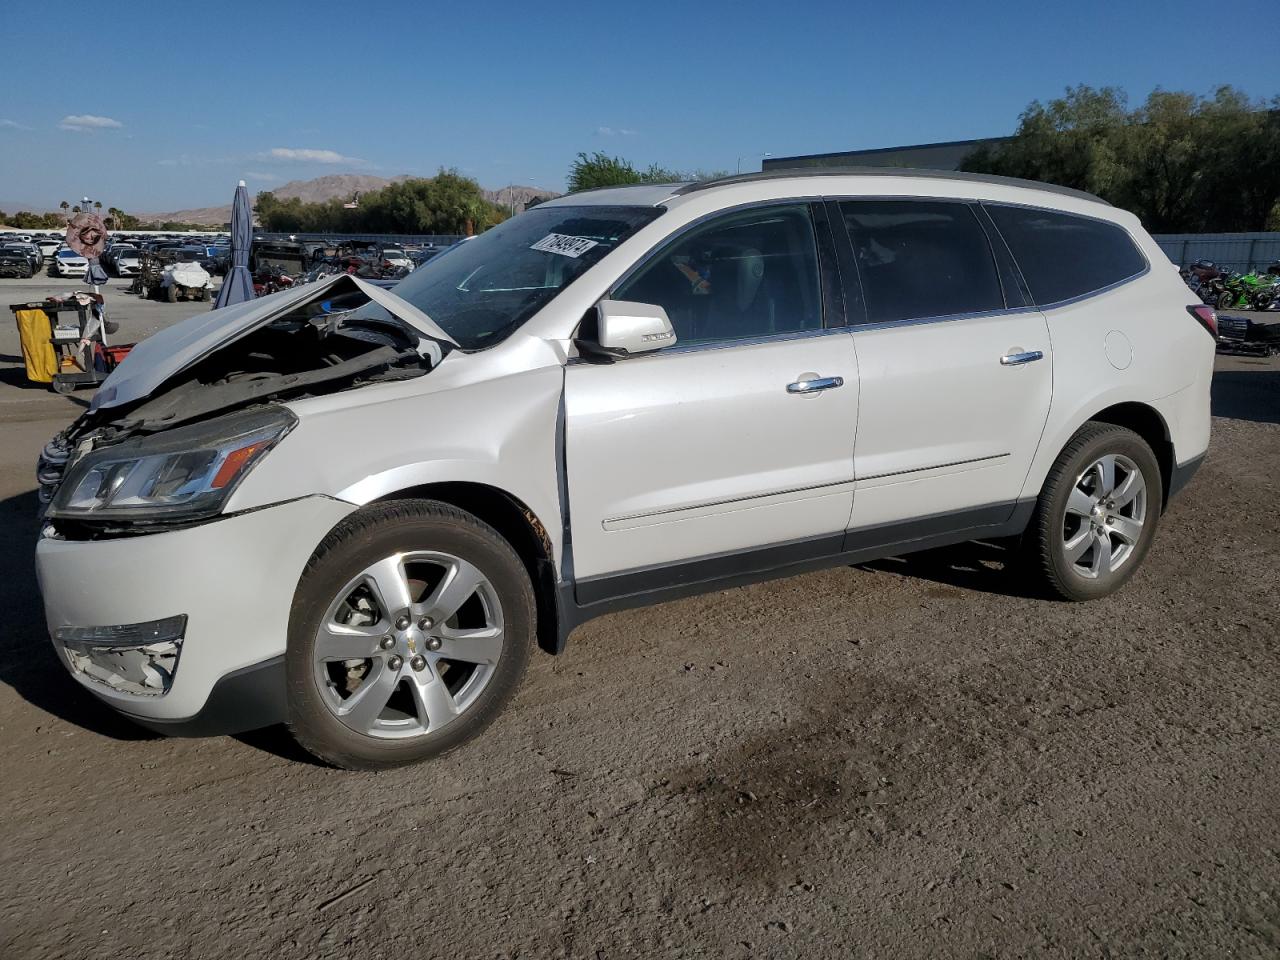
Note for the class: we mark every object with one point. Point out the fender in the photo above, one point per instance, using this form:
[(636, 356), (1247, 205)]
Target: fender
[(1057, 435)]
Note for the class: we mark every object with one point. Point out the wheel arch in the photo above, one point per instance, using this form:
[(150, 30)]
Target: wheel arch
[(519, 525), (1147, 423), (1144, 420)]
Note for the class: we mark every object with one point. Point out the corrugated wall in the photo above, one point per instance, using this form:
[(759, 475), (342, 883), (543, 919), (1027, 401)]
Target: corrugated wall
[(1236, 251)]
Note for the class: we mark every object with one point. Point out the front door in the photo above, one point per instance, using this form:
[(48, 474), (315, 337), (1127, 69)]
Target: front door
[(737, 438)]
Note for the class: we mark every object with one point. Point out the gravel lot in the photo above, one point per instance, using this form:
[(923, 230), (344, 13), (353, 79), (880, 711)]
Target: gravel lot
[(906, 759)]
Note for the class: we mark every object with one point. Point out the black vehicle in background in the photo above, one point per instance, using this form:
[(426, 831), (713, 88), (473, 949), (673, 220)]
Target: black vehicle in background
[(14, 263), (30, 252)]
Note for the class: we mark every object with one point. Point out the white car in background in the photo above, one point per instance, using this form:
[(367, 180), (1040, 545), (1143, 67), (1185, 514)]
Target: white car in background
[(359, 510), (68, 263), (127, 262), (47, 247), (397, 258)]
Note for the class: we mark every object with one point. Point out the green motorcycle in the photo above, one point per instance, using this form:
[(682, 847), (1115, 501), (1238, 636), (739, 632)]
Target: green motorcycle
[(1249, 291)]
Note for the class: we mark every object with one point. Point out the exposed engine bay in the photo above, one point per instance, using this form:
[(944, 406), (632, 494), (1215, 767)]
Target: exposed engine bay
[(317, 346), (303, 353)]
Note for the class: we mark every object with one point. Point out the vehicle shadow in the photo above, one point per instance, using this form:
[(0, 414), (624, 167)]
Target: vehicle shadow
[(983, 566), (1247, 394), (27, 661)]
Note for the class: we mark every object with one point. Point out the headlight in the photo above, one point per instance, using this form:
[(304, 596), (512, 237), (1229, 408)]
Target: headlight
[(182, 474)]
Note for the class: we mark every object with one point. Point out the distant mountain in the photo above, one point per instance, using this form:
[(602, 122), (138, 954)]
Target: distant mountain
[(504, 196), (21, 206), (336, 185)]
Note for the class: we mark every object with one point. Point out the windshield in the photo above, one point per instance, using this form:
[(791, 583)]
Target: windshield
[(479, 291)]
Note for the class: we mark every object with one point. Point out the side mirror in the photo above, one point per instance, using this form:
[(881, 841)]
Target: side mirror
[(623, 328)]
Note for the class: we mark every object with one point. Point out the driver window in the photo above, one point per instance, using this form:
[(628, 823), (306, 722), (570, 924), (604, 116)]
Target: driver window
[(744, 275)]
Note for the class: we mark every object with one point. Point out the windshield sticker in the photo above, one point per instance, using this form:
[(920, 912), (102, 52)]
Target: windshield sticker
[(564, 245)]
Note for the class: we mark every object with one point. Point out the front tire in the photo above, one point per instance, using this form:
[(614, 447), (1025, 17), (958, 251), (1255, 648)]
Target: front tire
[(1097, 513), (410, 630)]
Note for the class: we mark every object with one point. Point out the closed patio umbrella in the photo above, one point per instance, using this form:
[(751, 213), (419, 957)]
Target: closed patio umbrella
[(237, 287)]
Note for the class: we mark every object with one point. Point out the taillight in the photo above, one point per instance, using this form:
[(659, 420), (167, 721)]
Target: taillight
[(1208, 319)]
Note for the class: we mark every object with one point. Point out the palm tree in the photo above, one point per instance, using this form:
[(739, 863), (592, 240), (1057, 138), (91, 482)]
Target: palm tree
[(97, 206), (64, 206), (76, 208)]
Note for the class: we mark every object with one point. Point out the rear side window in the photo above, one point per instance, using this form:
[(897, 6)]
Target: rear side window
[(1064, 256), (921, 258)]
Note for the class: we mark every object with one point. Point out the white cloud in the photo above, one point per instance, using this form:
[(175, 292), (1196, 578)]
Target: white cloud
[(615, 132), (310, 156), (87, 121), (12, 125)]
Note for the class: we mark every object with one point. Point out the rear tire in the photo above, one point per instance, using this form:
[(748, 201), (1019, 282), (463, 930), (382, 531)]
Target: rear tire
[(370, 616), (1097, 513)]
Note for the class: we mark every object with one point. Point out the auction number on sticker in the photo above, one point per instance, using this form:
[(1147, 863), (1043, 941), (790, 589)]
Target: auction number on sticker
[(564, 245)]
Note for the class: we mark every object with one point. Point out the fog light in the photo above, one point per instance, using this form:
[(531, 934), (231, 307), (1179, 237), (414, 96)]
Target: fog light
[(136, 658)]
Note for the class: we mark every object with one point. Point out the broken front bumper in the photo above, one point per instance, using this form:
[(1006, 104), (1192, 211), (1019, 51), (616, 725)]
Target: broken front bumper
[(112, 607)]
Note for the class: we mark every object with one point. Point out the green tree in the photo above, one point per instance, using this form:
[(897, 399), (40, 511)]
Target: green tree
[(601, 170), (445, 203), (1181, 162)]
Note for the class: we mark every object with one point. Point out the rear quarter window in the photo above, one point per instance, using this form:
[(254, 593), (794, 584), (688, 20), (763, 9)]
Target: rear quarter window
[(1063, 256)]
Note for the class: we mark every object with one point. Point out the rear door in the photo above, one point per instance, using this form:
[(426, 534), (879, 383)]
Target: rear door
[(738, 437), (955, 368)]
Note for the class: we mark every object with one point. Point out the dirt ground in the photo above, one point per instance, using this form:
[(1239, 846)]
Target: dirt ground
[(906, 759)]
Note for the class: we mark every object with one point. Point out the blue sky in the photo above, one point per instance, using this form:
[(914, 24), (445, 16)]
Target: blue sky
[(510, 92)]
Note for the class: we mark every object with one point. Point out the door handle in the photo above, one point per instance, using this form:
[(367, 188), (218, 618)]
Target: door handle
[(1028, 356), (812, 383)]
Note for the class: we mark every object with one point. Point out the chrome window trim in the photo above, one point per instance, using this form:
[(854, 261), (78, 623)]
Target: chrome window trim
[(1046, 307), (947, 318), (716, 345), (750, 341)]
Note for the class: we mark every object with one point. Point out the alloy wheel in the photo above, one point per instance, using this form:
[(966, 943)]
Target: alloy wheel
[(408, 645), (1106, 510)]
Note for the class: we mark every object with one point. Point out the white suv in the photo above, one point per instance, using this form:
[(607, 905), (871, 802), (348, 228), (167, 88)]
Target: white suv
[(358, 510)]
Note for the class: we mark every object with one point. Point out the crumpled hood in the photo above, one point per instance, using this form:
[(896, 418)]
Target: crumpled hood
[(172, 350)]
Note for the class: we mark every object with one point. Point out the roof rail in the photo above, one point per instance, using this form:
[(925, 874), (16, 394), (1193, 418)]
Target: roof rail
[(793, 173)]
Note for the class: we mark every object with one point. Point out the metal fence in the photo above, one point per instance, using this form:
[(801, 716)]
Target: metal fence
[(400, 239), (1241, 252)]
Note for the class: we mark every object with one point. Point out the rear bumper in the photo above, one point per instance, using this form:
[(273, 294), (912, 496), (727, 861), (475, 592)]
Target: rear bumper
[(1182, 474)]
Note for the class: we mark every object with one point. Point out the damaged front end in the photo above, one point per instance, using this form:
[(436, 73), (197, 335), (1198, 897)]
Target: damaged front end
[(185, 416)]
